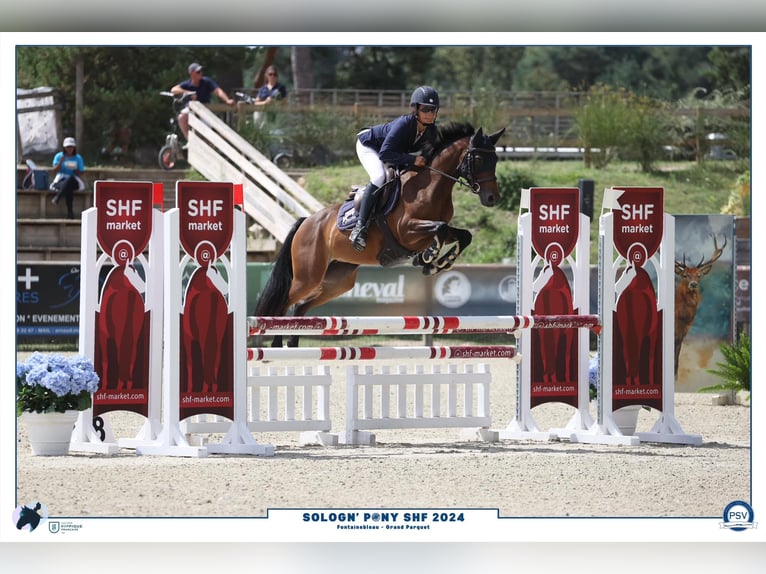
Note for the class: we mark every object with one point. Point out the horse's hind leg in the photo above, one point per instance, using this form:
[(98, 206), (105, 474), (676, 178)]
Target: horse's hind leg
[(339, 278)]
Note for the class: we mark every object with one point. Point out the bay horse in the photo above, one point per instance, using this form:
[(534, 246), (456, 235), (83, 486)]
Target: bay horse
[(318, 263)]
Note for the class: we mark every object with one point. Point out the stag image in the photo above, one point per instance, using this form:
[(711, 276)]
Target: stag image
[(688, 296)]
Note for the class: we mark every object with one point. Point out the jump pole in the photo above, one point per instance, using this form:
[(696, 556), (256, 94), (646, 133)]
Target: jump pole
[(380, 353), (121, 321), (636, 243), (415, 325), (552, 235)]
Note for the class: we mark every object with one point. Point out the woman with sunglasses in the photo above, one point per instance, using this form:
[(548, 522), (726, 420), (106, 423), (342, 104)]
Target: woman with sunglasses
[(393, 143), (272, 89), (200, 88)]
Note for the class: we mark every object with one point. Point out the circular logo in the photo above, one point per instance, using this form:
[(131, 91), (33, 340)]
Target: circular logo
[(452, 289), (507, 288), (738, 513), (205, 254), (29, 516), (123, 253), (744, 285), (375, 516)]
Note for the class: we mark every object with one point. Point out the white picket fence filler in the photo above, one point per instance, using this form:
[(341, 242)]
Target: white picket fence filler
[(281, 399), (382, 399)]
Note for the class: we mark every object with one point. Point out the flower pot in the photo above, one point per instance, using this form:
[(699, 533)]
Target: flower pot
[(626, 419), (49, 433)]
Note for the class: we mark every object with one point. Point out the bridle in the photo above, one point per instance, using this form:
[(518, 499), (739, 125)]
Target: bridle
[(467, 169)]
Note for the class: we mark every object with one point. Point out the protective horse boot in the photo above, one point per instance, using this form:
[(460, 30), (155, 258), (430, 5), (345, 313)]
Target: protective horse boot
[(358, 235)]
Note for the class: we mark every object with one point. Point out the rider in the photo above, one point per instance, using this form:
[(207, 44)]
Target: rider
[(393, 143)]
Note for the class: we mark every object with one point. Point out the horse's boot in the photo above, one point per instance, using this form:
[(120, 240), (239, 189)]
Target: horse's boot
[(358, 235)]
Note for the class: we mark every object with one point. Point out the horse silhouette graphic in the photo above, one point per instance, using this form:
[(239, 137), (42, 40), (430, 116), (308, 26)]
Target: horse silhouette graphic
[(29, 516)]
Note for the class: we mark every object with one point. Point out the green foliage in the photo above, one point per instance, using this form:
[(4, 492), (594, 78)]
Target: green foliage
[(601, 123), (511, 182), (647, 128), (739, 197), (735, 371)]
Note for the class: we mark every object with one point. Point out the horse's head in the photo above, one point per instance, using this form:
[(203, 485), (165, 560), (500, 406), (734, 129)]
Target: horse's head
[(478, 164)]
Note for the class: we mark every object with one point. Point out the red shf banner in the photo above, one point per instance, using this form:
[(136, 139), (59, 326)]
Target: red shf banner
[(121, 347), (555, 221), (637, 349), (206, 216), (206, 219), (124, 215), (638, 221)]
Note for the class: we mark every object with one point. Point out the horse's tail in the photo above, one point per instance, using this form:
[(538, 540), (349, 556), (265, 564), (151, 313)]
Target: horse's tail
[(274, 297)]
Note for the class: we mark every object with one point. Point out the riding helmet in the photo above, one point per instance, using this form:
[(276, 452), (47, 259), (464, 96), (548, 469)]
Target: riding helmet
[(425, 95)]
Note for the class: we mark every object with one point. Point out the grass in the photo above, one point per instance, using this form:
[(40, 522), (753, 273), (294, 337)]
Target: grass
[(690, 188)]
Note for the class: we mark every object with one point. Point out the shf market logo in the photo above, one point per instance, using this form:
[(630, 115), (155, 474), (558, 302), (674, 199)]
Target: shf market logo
[(738, 516)]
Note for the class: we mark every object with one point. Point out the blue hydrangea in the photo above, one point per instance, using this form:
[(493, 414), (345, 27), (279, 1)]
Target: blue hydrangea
[(60, 374)]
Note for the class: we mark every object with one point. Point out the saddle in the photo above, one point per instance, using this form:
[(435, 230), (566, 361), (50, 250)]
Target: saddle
[(386, 201), (391, 253)]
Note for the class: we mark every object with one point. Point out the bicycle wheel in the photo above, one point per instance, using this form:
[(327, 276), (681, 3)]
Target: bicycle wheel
[(167, 157)]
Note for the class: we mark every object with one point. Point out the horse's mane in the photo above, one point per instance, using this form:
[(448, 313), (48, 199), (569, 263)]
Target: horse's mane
[(446, 135)]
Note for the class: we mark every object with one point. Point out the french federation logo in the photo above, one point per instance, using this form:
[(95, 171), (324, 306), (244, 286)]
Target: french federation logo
[(738, 516)]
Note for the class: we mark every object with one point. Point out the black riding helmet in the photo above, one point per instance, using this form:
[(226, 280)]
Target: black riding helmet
[(425, 95)]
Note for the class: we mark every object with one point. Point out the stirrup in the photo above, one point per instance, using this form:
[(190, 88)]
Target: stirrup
[(358, 237)]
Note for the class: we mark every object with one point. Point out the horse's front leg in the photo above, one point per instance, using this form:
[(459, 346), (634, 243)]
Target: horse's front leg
[(460, 240), (426, 257), (431, 260)]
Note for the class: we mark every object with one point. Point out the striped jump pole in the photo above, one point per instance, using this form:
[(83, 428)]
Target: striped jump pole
[(379, 353), (415, 325)]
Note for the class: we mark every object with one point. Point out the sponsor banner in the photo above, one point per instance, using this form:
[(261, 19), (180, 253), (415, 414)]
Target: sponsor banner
[(121, 346), (555, 230), (206, 219), (637, 358), (47, 302)]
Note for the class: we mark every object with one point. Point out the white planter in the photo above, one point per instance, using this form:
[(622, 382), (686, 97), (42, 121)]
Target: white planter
[(626, 419), (49, 433)]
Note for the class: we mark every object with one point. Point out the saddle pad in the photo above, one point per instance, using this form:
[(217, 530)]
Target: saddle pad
[(347, 215)]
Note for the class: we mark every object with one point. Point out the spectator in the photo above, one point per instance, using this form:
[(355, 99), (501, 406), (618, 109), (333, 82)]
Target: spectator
[(272, 90), (200, 88), (69, 167)]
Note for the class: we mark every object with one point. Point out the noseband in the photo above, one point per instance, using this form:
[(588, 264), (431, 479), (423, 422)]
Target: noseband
[(467, 167)]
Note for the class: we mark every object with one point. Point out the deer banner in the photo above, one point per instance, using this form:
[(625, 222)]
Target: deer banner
[(704, 296)]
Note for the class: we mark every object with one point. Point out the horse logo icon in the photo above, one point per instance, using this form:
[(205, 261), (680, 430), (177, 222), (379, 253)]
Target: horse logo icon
[(30, 516)]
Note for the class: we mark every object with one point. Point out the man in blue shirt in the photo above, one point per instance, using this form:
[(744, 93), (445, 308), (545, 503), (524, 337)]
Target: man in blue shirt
[(201, 89)]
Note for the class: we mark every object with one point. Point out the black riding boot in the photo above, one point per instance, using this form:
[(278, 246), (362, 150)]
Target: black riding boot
[(358, 236)]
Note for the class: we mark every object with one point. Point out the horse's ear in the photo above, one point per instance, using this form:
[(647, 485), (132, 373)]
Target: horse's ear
[(496, 136), (477, 138)]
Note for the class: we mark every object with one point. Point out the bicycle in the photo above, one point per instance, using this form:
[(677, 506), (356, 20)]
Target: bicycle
[(173, 150)]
